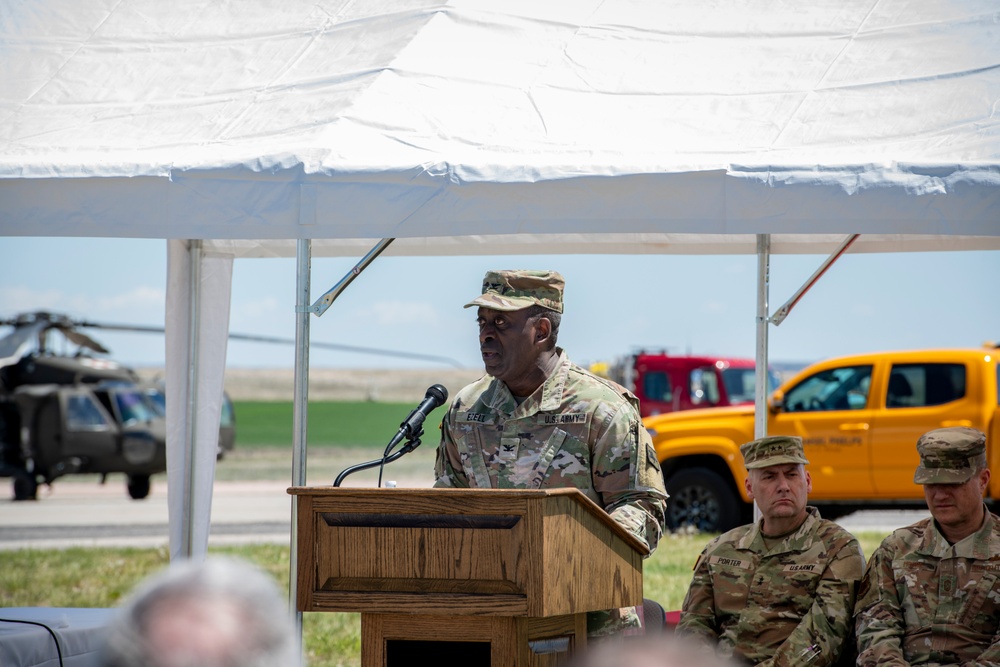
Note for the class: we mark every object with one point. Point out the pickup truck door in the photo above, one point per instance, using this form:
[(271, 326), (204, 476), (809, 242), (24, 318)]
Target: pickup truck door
[(831, 411), (918, 397)]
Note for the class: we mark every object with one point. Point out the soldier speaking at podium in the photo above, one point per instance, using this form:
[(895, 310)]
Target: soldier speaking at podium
[(538, 421)]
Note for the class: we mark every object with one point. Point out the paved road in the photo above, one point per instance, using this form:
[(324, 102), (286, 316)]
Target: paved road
[(82, 514), (88, 514)]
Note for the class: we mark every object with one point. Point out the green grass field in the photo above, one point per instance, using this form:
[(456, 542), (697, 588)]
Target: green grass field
[(363, 424), (103, 577)]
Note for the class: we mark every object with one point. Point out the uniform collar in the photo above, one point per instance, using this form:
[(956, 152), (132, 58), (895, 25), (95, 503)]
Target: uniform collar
[(555, 384), (794, 541), (546, 398), (980, 545)]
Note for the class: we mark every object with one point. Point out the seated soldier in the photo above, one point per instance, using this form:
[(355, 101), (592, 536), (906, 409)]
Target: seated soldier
[(780, 591), (931, 594)]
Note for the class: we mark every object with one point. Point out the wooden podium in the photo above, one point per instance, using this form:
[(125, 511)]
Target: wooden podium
[(492, 577)]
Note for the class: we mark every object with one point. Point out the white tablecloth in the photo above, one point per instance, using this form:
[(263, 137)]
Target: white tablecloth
[(79, 631)]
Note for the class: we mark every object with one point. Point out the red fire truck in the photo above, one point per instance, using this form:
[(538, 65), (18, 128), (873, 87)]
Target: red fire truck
[(668, 383)]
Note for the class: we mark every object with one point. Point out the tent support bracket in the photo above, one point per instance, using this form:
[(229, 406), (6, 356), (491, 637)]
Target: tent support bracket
[(325, 301), (780, 315)]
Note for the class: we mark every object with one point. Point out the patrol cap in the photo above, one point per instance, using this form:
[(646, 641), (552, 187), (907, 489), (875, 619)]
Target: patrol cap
[(515, 290), (773, 450), (950, 455)]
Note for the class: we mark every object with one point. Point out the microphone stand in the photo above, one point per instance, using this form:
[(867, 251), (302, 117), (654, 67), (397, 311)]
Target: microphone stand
[(411, 443)]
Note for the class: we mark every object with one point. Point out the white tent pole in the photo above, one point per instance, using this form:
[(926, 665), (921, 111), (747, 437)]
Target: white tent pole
[(300, 396), (194, 304), (303, 259), (760, 370), (760, 374)]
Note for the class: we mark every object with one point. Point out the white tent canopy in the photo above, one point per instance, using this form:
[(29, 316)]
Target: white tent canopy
[(480, 126), (429, 119)]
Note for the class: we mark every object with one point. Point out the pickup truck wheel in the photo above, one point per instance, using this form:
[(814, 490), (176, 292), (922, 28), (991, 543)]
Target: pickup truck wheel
[(700, 498)]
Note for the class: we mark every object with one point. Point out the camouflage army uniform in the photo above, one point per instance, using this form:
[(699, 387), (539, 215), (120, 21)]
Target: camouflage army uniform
[(926, 602), (576, 430), (787, 605)]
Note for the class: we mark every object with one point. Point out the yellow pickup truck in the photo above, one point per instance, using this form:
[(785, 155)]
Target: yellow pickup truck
[(859, 418)]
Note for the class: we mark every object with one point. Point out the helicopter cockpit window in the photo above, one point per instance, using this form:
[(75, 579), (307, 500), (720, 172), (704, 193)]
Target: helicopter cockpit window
[(227, 418), (157, 401), (83, 414), (132, 407)]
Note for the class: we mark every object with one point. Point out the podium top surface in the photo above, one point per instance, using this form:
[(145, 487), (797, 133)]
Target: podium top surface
[(403, 491)]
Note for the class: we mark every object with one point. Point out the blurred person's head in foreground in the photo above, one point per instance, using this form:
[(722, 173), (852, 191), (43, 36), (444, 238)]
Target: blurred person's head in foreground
[(662, 650), (220, 612)]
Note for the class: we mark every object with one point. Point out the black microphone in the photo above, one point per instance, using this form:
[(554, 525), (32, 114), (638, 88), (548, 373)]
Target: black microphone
[(434, 398)]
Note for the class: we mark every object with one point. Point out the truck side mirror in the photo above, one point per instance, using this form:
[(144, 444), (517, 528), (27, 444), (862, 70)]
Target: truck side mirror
[(777, 401)]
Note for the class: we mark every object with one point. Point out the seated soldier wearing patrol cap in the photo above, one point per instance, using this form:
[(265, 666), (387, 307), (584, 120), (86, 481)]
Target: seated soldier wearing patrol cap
[(538, 421), (779, 591), (931, 593)]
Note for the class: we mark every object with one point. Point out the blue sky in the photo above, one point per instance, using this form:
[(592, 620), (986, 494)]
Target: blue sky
[(614, 303)]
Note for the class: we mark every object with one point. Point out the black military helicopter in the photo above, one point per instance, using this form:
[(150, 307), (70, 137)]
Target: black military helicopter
[(64, 412), (75, 411)]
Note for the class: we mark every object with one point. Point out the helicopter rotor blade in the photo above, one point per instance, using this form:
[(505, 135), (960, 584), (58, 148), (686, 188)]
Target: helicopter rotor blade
[(348, 348), (82, 339), (121, 327), (286, 341)]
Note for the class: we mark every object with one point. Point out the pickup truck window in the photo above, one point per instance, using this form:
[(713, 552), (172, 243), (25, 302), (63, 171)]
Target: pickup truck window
[(741, 384), (704, 386), (656, 386), (919, 385), (843, 388)]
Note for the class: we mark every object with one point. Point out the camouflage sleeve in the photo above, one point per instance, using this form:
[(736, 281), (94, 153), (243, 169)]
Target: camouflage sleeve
[(819, 638), (612, 622), (626, 473), (448, 470), (988, 658), (878, 616), (698, 609)]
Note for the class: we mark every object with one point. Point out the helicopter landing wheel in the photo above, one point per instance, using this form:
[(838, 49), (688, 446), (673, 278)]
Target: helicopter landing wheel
[(25, 487), (138, 486)]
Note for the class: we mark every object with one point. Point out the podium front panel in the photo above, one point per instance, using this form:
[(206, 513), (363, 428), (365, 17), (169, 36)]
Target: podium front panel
[(461, 551)]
